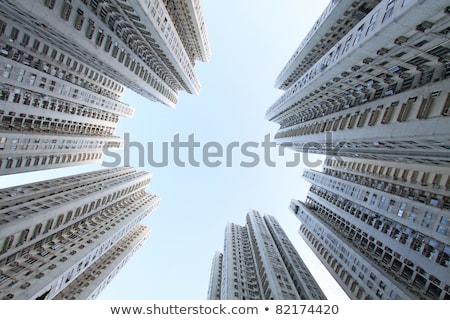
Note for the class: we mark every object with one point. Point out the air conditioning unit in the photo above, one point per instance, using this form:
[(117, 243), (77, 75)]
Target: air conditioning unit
[(382, 51), (424, 26), (368, 60), (401, 40)]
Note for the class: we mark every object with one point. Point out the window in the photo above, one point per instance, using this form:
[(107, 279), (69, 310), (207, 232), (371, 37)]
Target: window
[(36, 44), (115, 50), (444, 223), (45, 49), (79, 19), (389, 10), (413, 215), (108, 44), (66, 11), (25, 40), (9, 163), (14, 34), (394, 295), (50, 3), (100, 37), (391, 205), (373, 199), (427, 219), (2, 27), (401, 211), (8, 242), (347, 44), (405, 2), (358, 35), (54, 54), (373, 20), (7, 70), (61, 58), (37, 230), (90, 29), (382, 201)]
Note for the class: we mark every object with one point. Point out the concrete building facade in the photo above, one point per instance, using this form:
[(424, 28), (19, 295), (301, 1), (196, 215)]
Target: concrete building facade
[(67, 231), (65, 65), (260, 263), (90, 283), (380, 234), (379, 89), (149, 46), (369, 88), (54, 110)]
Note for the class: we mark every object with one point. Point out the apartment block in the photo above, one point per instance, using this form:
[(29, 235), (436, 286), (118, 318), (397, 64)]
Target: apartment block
[(370, 81), (260, 263), (380, 235), (89, 284), (66, 64), (369, 89), (61, 232)]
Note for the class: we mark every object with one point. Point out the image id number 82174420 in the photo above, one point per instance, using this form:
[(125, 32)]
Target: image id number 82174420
[(307, 309)]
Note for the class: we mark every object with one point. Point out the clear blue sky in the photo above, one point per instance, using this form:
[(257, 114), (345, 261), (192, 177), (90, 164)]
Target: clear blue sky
[(251, 40)]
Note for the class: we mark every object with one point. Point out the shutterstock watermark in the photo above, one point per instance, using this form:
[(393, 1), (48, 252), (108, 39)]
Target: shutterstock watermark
[(212, 154)]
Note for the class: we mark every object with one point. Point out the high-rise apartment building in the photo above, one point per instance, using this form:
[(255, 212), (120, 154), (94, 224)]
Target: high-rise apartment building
[(64, 66), (149, 46), (369, 88), (376, 75), (259, 262), (66, 238), (54, 110), (89, 284), (379, 228)]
